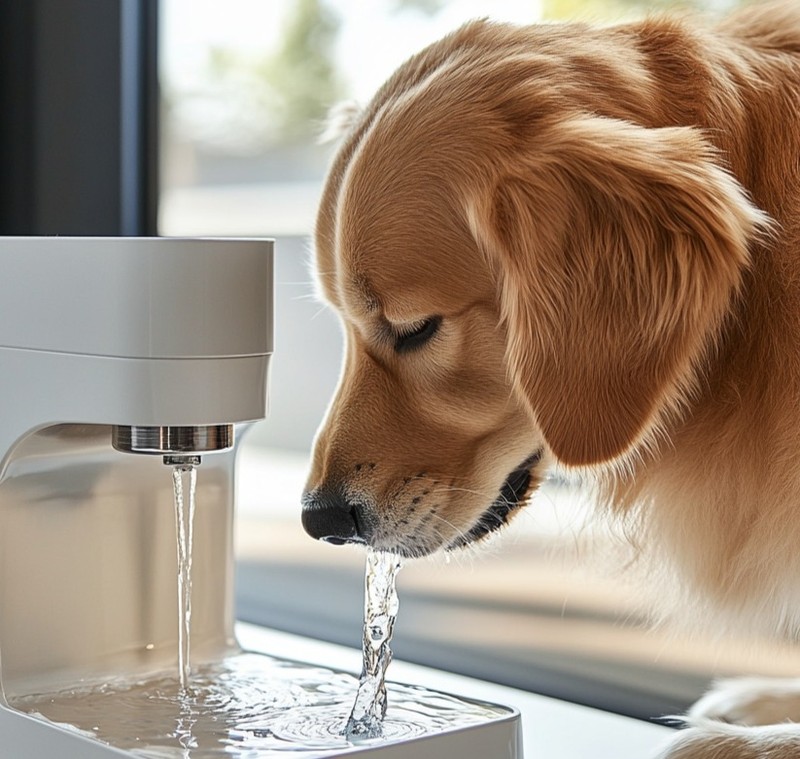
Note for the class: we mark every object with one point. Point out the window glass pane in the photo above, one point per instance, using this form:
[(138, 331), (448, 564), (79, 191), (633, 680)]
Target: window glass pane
[(246, 85)]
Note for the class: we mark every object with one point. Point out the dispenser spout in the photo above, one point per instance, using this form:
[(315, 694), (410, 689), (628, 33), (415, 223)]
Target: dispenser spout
[(183, 462), (178, 445)]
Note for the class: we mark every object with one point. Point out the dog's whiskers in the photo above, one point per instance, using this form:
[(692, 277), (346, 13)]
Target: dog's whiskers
[(451, 489)]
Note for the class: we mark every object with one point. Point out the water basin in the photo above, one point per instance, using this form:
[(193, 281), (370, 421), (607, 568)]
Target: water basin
[(254, 706)]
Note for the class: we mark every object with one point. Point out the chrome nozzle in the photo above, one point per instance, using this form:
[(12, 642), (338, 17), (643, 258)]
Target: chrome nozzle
[(183, 462), (178, 445)]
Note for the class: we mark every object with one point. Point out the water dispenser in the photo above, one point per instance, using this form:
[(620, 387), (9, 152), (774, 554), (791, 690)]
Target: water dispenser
[(121, 358)]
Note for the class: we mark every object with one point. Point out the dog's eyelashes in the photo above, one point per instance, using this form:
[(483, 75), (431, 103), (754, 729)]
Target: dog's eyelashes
[(416, 335)]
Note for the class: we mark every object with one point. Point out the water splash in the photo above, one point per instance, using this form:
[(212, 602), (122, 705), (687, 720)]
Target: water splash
[(184, 480), (380, 612)]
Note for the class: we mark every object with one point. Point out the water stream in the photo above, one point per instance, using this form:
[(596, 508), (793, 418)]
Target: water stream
[(380, 612), (184, 480)]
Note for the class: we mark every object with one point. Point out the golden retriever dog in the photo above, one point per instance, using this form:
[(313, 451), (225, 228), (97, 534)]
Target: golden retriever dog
[(564, 245)]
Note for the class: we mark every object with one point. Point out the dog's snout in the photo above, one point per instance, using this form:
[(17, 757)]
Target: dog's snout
[(329, 516)]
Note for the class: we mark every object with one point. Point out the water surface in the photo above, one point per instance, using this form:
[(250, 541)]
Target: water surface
[(248, 706)]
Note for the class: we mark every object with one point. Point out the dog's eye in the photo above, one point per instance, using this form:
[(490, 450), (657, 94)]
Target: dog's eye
[(416, 335)]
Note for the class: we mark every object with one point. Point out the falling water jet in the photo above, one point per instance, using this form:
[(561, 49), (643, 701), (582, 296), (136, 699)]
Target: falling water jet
[(184, 480), (380, 612)]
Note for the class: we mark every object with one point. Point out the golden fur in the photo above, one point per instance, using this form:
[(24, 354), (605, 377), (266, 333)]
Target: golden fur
[(607, 220)]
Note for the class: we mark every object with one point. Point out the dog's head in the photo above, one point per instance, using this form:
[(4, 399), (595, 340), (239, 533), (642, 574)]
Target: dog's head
[(519, 279)]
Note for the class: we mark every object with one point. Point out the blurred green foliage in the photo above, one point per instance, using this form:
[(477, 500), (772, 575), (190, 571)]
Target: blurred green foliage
[(302, 71), (283, 96)]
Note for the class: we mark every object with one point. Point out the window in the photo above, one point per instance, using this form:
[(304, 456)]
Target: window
[(245, 88)]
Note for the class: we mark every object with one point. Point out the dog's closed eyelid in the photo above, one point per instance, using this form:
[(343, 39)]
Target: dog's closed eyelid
[(409, 337)]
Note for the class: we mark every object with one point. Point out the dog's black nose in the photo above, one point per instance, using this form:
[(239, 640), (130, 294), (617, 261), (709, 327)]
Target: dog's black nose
[(328, 516)]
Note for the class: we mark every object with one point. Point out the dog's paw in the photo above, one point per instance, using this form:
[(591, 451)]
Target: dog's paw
[(750, 701), (709, 739)]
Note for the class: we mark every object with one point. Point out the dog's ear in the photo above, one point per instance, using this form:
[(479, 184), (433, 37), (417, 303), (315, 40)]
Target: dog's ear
[(619, 250)]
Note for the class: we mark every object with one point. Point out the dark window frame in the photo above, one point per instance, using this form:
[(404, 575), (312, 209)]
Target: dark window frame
[(79, 125)]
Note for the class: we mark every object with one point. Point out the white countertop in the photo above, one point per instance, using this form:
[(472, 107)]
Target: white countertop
[(552, 729)]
